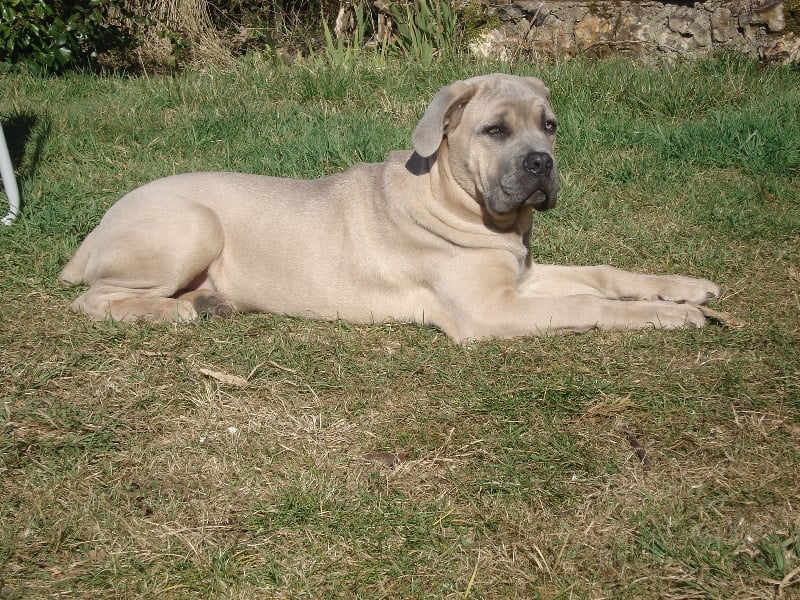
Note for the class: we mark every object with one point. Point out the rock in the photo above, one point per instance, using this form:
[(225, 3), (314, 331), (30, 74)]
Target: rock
[(770, 16), (591, 31), (724, 26), (692, 26), (785, 50), (649, 29)]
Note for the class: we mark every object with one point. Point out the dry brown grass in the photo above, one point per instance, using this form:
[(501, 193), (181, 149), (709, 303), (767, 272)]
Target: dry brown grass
[(178, 33), (127, 460)]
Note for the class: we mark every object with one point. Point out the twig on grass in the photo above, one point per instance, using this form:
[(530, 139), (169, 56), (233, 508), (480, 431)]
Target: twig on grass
[(474, 574), (640, 451), (787, 580)]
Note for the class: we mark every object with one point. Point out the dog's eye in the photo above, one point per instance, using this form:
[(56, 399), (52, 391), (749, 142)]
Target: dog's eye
[(550, 126), (494, 130)]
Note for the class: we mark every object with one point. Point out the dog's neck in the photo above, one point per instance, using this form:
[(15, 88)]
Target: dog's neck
[(466, 214), (518, 221)]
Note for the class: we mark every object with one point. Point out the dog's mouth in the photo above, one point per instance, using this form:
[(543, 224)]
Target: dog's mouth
[(541, 200), (515, 189)]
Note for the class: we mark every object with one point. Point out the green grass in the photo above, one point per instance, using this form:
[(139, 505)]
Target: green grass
[(126, 472)]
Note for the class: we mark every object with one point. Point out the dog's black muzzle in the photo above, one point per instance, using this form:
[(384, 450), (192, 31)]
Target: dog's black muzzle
[(529, 181), (541, 168), (538, 164)]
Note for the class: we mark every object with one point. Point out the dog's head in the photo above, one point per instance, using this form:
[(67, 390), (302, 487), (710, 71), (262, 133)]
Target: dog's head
[(500, 133)]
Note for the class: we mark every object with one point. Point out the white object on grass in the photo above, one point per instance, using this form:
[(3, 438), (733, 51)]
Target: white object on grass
[(9, 181)]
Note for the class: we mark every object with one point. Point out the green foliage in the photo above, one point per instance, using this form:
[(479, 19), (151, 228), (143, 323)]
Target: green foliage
[(45, 36), (341, 54), (178, 43), (778, 554), (426, 29), (474, 18)]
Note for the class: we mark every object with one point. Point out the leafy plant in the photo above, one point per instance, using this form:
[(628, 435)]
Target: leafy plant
[(344, 54), (424, 31), (53, 36), (179, 45)]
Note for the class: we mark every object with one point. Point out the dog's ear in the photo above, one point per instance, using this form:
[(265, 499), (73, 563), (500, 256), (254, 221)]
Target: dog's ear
[(441, 116), (540, 87)]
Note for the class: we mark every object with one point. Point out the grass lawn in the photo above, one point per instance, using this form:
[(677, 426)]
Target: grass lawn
[(268, 457)]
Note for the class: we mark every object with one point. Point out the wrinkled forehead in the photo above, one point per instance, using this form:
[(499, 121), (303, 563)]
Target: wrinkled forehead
[(510, 99), (510, 85)]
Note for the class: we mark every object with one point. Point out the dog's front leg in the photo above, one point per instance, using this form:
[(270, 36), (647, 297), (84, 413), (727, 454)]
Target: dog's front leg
[(509, 315), (609, 282), (482, 300)]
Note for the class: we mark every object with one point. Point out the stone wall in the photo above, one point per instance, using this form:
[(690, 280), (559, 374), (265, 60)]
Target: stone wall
[(644, 29)]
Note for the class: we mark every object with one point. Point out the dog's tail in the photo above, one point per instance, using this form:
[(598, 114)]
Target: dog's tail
[(75, 270)]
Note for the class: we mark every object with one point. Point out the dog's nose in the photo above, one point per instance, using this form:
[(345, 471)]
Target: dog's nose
[(538, 163)]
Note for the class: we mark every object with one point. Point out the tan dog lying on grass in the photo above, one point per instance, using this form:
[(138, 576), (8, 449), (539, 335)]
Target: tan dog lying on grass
[(438, 236)]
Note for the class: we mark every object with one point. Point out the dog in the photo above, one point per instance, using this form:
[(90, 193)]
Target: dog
[(439, 235)]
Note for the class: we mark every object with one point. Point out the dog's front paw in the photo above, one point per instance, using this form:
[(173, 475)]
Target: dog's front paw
[(670, 315), (677, 288), (644, 314)]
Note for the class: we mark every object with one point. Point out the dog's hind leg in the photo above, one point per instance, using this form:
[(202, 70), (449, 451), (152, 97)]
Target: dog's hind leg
[(74, 271), (101, 302), (208, 303), (142, 255)]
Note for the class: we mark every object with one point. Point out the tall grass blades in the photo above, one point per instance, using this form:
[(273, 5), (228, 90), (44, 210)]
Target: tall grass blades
[(423, 31), (342, 53), (426, 29)]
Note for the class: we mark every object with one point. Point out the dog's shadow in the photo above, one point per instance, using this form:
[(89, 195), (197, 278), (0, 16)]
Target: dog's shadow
[(25, 134)]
